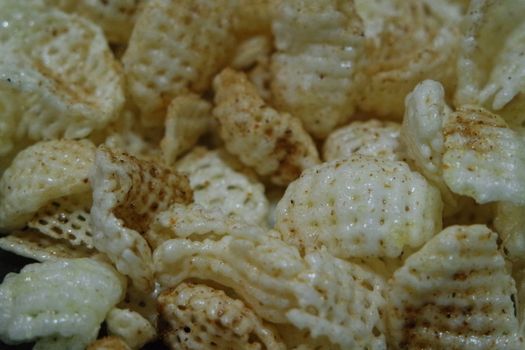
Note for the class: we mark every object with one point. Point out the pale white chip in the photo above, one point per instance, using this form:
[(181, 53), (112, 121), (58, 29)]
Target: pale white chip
[(58, 75), (127, 194), (187, 119), (115, 17), (359, 207), (216, 184), (374, 138), (41, 173), (109, 343), (142, 303), (130, 326), (274, 144), (407, 41), (491, 66), (201, 317), (313, 71), (509, 223), (483, 158), (60, 304), (455, 293), (37, 246), (251, 51), (176, 46)]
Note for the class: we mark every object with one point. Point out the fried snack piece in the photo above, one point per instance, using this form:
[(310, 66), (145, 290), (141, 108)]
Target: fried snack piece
[(455, 293), (407, 41), (200, 317), (115, 17), (359, 207), (61, 304), (509, 223), (314, 68), (374, 138), (274, 144), (187, 119), (127, 194), (176, 47), (216, 184), (59, 78), (130, 326), (41, 173), (109, 343)]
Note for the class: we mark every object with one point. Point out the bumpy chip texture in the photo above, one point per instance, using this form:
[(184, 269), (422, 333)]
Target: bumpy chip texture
[(127, 194), (60, 304), (483, 158), (455, 293), (201, 317), (130, 326), (359, 207), (41, 173), (274, 144), (314, 68)]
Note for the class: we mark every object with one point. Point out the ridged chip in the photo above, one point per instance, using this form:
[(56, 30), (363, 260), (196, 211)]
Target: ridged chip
[(41, 173), (455, 293), (359, 207), (483, 158), (127, 194), (61, 304), (374, 138), (216, 184), (407, 41), (130, 326), (109, 343), (115, 17), (187, 119), (509, 223), (274, 144), (58, 75), (313, 71), (200, 317), (176, 46)]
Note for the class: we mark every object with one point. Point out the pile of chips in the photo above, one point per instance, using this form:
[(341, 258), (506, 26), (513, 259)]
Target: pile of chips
[(269, 174)]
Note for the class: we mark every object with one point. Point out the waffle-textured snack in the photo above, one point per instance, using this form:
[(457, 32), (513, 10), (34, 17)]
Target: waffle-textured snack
[(130, 326)]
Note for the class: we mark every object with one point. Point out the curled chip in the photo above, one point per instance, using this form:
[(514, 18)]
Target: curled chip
[(314, 68), (60, 304), (40, 174), (130, 326), (274, 144), (127, 194), (200, 317), (58, 76), (115, 17), (455, 293), (491, 66), (510, 225), (359, 207), (187, 119), (372, 138), (176, 46), (216, 184), (483, 158), (407, 41)]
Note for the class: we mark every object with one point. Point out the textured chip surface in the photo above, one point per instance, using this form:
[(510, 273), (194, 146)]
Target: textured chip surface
[(359, 207), (130, 326)]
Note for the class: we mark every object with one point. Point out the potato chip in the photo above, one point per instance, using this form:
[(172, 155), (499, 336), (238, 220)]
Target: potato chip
[(130, 326), (176, 46), (200, 317), (127, 194), (216, 185), (187, 119), (109, 343), (455, 293), (313, 71), (61, 304), (491, 66), (274, 144), (359, 207), (41, 173), (372, 138), (142, 303), (251, 51), (115, 17), (510, 225), (59, 77), (483, 158), (406, 43)]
